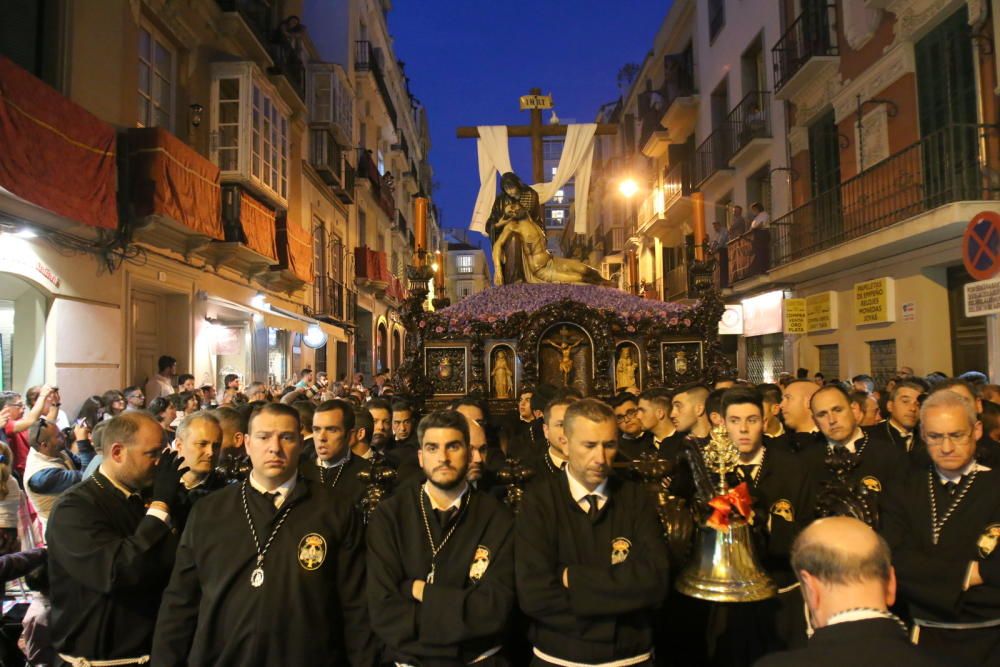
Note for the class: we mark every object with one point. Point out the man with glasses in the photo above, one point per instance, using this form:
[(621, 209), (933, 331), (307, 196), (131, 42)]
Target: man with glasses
[(50, 469), (18, 423), (134, 398), (943, 527), (631, 439)]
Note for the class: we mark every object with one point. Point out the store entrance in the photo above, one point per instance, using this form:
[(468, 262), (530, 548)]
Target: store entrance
[(23, 310)]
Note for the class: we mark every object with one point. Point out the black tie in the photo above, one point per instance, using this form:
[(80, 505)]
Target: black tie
[(747, 471), (951, 487), (562, 466), (592, 512), (841, 450), (444, 517)]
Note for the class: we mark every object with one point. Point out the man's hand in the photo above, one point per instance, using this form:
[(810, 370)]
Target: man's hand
[(81, 431), (167, 479), (418, 589)]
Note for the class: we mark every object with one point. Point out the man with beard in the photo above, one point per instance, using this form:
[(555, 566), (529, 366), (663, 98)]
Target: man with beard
[(109, 556), (440, 559), (403, 455), (591, 560), (381, 411), (943, 526), (333, 466), (872, 461), (264, 563)]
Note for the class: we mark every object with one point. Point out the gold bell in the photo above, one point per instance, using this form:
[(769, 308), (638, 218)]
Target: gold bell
[(724, 567)]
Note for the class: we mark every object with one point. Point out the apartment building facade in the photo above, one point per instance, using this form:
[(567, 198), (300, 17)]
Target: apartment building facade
[(208, 175)]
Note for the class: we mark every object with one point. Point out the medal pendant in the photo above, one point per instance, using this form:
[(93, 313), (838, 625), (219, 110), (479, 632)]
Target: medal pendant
[(257, 577), (430, 576)]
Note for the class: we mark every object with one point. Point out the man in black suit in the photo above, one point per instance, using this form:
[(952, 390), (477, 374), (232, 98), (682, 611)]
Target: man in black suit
[(848, 584)]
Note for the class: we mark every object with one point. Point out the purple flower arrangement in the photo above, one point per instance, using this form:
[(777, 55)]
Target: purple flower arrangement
[(514, 302)]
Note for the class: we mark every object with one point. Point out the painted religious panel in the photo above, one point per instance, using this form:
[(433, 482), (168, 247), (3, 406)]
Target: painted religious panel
[(682, 360), (627, 373), (502, 372), (446, 368), (565, 358)]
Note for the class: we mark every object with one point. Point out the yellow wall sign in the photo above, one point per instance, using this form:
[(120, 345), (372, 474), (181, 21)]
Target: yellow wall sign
[(821, 311), (795, 316), (874, 301)]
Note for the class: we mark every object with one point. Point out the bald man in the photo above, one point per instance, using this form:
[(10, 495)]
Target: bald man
[(848, 584), (797, 416)]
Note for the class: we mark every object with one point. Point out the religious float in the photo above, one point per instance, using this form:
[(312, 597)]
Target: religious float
[(595, 339)]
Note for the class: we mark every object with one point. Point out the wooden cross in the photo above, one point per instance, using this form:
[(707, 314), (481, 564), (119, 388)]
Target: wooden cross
[(537, 130)]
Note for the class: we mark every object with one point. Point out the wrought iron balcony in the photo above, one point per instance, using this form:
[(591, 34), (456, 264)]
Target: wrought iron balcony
[(956, 163), (328, 298), (367, 59), (614, 240), (812, 35), (713, 154), (750, 120)]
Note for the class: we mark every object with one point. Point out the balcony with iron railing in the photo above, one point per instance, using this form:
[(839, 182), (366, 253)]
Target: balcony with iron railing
[(956, 163), (807, 52), (614, 240), (330, 162), (367, 59), (712, 156), (259, 17), (328, 298), (680, 96), (380, 189), (750, 127)]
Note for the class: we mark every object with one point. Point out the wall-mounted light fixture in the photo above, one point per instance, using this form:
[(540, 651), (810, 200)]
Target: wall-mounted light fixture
[(196, 112)]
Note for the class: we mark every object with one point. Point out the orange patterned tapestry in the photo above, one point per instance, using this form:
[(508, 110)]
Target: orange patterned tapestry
[(55, 153), (171, 179), (257, 221)]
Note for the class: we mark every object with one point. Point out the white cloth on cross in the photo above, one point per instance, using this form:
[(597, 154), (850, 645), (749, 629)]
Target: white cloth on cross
[(577, 159)]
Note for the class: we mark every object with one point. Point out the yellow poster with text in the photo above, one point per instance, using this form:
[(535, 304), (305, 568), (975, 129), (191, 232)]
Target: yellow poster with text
[(874, 301)]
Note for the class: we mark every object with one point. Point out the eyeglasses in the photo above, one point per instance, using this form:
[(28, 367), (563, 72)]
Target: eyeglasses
[(938, 439), (625, 416)]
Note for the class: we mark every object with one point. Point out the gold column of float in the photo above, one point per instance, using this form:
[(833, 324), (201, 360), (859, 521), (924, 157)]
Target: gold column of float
[(698, 220)]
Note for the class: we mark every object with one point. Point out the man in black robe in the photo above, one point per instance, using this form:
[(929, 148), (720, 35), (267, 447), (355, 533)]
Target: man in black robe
[(440, 559), (269, 571), (198, 441), (782, 498), (689, 414), (797, 417), (591, 559), (110, 556), (632, 440), (403, 455), (552, 461), (333, 466), (943, 526), (848, 584), (874, 463)]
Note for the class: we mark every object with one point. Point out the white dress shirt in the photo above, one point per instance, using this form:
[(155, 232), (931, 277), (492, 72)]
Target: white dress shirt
[(580, 492), (283, 491)]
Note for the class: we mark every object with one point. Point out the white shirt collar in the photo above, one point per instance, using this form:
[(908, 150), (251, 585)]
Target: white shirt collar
[(899, 429), (456, 503), (557, 458), (757, 459), (657, 441), (856, 615), (368, 455), (858, 434), (283, 491), (334, 464), (579, 492), (781, 431), (955, 477)]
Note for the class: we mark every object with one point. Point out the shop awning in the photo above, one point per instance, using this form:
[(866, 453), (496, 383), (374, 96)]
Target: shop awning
[(276, 321), (171, 179), (55, 154)]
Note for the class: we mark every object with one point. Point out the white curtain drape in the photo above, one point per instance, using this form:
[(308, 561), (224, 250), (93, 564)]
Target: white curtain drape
[(494, 157)]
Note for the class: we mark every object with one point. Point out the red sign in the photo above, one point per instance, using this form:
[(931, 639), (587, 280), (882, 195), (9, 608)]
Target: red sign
[(981, 246)]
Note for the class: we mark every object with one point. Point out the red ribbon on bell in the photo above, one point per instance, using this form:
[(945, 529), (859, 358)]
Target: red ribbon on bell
[(737, 501)]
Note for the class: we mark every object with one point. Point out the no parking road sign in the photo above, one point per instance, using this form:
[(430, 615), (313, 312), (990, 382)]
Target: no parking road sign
[(981, 246)]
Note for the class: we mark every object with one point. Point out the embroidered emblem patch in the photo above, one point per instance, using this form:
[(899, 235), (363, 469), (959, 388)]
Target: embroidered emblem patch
[(872, 484), (987, 542), (619, 550), (784, 509), (480, 561), (312, 551)]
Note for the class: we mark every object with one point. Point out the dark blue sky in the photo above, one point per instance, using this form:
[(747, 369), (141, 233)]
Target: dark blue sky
[(469, 61)]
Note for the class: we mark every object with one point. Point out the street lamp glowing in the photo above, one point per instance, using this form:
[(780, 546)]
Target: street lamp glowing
[(628, 187), (434, 267)]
